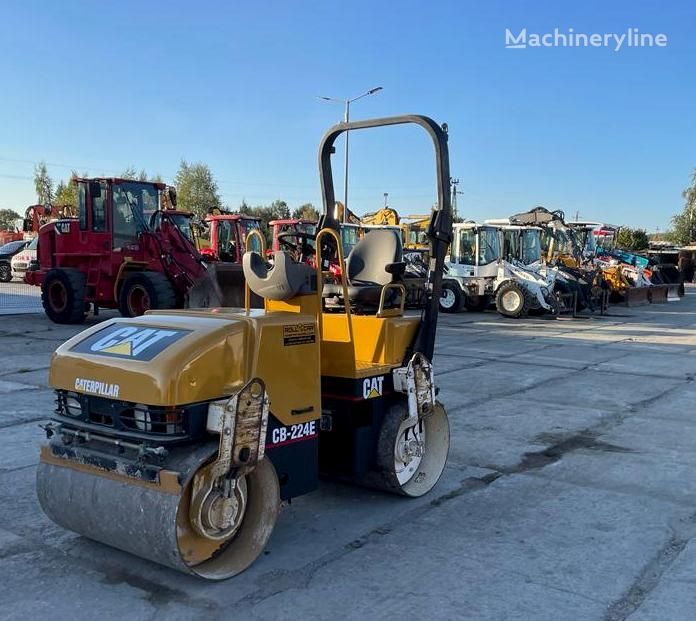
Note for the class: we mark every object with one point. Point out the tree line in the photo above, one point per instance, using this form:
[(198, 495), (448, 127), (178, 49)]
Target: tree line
[(196, 188), (683, 229), (198, 192)]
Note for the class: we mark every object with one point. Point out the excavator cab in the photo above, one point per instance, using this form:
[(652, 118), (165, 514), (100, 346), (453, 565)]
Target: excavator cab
[(178, 435)]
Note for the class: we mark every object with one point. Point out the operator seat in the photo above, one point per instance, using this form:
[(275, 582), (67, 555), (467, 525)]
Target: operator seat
[(373, 262), (282, 280)]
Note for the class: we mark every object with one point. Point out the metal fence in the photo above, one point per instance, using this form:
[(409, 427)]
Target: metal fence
[(17, 297)]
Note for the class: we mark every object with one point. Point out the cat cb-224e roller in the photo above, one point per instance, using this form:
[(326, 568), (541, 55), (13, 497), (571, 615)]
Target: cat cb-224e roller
[(178, 435)]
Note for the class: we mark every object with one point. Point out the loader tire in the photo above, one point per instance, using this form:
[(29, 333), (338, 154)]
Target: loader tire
[(513, 300), (451, 298), (63, 295), (145, 291)]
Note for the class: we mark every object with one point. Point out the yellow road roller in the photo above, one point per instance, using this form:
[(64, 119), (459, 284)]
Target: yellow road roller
[(178, 435)]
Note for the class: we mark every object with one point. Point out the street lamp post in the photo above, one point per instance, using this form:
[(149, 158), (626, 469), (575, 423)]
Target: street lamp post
[(346, 119)]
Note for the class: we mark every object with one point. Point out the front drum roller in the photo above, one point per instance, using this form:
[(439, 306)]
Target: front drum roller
[(154, 522)]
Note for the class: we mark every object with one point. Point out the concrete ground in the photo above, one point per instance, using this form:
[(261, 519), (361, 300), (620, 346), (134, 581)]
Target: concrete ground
[(569, 494), (18, 297)]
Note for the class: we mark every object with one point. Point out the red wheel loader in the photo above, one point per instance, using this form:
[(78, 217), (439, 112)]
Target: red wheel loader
[(128, 248)]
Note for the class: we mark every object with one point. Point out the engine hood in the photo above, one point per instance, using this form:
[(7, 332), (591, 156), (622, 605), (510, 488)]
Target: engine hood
[(158, 359)]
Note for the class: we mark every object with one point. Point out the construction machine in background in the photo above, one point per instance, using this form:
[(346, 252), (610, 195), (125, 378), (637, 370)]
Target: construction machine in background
[(221, 249), (383, 217), (626, 269), (479, 273), (294, 235), (225, 235), (122, 250), (35, 216), (578, 282), (414, 229), (10, 235), (344, 215), (589, 266), (178, 435)]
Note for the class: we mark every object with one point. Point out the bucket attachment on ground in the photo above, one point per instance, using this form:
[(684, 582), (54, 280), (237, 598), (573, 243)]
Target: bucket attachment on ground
[(674, 291), (223, 285), (636, 296), (658, 294)]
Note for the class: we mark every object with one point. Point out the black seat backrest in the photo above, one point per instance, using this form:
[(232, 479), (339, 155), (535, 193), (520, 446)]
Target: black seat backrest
[(369, 258)]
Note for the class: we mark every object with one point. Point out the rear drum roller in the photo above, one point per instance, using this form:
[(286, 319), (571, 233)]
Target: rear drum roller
[(157, 524), (411, 453)]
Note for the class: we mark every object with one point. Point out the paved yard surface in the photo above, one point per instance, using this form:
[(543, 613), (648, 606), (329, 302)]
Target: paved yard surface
[(570, 493), (18, 297)]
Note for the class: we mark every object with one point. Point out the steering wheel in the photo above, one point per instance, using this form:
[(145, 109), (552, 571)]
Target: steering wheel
[(299, 252)]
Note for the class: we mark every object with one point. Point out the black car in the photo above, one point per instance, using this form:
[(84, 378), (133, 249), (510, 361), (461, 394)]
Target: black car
[(7, 251)]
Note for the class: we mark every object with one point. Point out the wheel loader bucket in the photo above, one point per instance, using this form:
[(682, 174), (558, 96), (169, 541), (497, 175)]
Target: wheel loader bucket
[(658, 294), (636, 296), (674, 291), (223, 285)]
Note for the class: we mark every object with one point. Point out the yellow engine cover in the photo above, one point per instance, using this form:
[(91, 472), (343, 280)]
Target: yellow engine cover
[(181, 357)]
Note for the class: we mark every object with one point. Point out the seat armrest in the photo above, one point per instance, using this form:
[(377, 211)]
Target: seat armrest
[(397, 269)]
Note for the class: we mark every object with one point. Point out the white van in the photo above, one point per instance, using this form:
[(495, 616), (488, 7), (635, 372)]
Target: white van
[(20, 262)]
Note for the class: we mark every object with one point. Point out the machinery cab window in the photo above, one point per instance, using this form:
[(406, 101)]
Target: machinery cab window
[(564, 242), (97, 205), (604, 240), (245, 227), (181, 221), (488, 246), (131, 202), (531, 246), (227, 241), (466, 246), (184, 223), (82, 205), (590, 245), (350, 236), (512, 244)]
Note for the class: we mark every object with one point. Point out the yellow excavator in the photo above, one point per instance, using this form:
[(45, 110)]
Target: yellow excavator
[(178, 435), (415, 229), (383, 217)]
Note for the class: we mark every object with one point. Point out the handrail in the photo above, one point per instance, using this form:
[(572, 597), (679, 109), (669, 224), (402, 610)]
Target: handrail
[(391, 285), (439, 229), (320, 279), (247, 248)]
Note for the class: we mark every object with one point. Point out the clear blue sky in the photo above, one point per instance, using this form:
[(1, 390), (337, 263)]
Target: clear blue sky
[(99, 86)]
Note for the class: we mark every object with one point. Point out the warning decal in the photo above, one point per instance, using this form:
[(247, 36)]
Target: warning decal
[(299, 334)]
